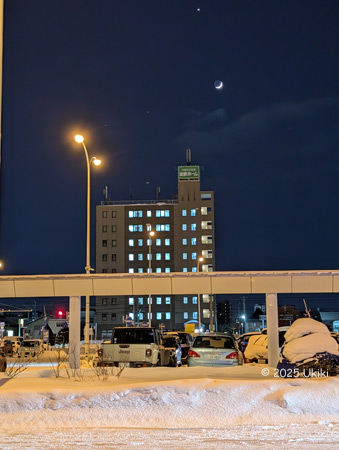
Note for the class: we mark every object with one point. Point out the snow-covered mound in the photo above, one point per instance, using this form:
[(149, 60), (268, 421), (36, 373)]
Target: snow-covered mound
[(305, 326), (306, 347), (307, 337)]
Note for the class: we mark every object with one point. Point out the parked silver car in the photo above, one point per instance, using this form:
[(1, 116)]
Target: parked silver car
[(213, 349)]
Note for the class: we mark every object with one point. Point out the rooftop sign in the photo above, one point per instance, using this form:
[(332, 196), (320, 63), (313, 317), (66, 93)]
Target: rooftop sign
[(189, 173)]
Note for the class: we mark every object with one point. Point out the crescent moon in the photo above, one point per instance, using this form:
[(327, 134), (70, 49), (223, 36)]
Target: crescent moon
[(218, 84)]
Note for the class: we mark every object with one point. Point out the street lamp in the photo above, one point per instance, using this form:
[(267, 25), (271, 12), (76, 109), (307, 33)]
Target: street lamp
[(81, 140), (200, 260), (150, 235)]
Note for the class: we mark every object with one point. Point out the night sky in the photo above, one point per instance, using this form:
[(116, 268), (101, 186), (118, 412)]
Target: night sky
[(136, 78)]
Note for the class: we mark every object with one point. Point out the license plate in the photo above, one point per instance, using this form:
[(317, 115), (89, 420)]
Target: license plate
[(122, 364)]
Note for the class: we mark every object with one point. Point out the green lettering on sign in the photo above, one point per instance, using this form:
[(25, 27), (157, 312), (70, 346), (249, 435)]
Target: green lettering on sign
[(188, 172)]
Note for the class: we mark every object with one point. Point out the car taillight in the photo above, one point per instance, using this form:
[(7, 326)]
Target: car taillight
[(149, 352), (193, 354), (233, 355), (100, 352)]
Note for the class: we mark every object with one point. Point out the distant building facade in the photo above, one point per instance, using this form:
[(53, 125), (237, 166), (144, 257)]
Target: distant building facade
[(183, 232)]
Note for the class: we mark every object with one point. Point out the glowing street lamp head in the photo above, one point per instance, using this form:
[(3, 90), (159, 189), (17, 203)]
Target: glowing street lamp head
[(79, 139), (201, 259), (96, 161), (151, 233)]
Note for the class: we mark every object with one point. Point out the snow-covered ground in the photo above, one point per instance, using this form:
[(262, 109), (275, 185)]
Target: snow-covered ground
[(168, 408)]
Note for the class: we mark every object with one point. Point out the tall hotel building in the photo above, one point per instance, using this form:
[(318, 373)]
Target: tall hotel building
[(183, 232)]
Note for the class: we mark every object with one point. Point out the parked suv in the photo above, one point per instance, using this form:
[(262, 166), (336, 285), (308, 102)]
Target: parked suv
[(30, 348)]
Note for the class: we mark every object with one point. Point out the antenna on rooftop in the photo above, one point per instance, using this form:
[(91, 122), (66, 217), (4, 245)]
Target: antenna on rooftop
[(308, 311), (157, 192), (188, 157), (105, 192)]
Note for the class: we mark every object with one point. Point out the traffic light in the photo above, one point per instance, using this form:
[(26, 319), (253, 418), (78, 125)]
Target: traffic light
[(60, 313)]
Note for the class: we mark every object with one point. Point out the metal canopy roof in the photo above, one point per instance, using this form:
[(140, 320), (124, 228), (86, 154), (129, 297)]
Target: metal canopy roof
[(170, 283)]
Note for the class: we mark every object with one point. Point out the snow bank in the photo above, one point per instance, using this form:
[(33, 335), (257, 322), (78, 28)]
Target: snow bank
[(201, 398)]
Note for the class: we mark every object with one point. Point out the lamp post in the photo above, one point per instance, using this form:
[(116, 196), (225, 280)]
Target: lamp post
[(81, 140), (150, 235), (200, 260)]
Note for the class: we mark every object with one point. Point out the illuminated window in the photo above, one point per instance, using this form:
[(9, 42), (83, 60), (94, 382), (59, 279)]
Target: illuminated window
[(206, 313), (158, 256), (168, 316), (167, 270), (130, 270), (140, 270), (184, 241), (194, 300), (162, 227), (158, 300), (194, 241), (167, 242), (134, 228), (158, 315), (185, 300), (184, 256), (193, 212), (194, 255), (158, 242), (134, 213), (162, 213), (131, 257), (131, 300), (184, 269), (184, 227), (168, 300), (167, 256), (140, 242), (193, 226), (185, 315), (194, 269), (206, 239), (184, 212), (131, 242), (158, 270), (195, 315), (149, 213)]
